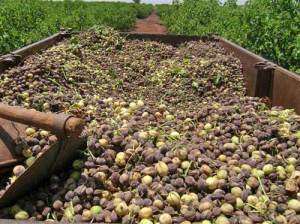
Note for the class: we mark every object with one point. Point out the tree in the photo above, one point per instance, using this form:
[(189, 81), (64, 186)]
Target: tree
[(137, 1), (231, 3)]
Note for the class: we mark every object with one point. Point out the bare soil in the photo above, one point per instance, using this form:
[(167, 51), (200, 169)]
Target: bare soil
[(151, 24)]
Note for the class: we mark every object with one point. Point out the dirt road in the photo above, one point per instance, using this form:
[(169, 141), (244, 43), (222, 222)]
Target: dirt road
[(151, 24)]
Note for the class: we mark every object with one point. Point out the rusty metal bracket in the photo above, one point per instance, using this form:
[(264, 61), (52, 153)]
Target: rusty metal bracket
[(59, 124), (264, 79), (13, 123)]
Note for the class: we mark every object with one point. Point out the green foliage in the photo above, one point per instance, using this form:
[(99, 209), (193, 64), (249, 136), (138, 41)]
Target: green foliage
[(25, 21), (142, 10), (270, 28)]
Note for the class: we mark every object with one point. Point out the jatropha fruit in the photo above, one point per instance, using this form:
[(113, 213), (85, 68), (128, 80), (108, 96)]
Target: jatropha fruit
[(171, 136)]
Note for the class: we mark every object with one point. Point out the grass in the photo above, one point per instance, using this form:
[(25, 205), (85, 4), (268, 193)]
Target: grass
[(26, 21)]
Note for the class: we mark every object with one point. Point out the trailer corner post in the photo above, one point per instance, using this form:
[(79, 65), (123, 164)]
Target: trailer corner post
[(264, 79)]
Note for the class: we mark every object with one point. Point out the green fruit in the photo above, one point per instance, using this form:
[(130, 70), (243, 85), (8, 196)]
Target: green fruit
[(145, 221), (194, 196), (143, 135), (158, 203), (263, 198), (153, 133), (280, 168), (165, 218), (78, 164), (145, 213), (294, 204), (222, 174), (25, 95), (121, 209), (186, 198), (292, 160), (290, 168), (27, 153), (246, 167), (257, 173), (202, 133), (75, 175), (162, 168), (30, 161), (174, 135), (239, 203), (281, 174), (169, 117), (44, 133), (212, 183), (30, 131), (147, 180), (195, 85), (235, 140), (236, 191), (252, 200), (80, 104), (103, 142), (160, 144), (185, 165), (173, 199), (268, 169), (46, 106), (267, 222), (222, 158), (145, 114), (121, 159), (134, 209), (96, 209), (140, 103), (297, 134), (227, 209), (21, 215), (245, 138), (206, 222), (15, 209), (280, 219), (87, 215), (230, 146), (133, 106), (118, 201), (69, 213), (208, 126), (12, 179), (186, 222), (222, 220), (100, 176)]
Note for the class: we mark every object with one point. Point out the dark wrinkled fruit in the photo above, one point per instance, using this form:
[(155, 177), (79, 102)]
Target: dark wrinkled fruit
[(171, 135)]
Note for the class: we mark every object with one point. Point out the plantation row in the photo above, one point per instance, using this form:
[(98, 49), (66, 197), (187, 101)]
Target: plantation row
[(25, 21), (269, 28)]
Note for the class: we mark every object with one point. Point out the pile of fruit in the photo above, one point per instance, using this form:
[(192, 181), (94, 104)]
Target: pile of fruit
[(171, 136)]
